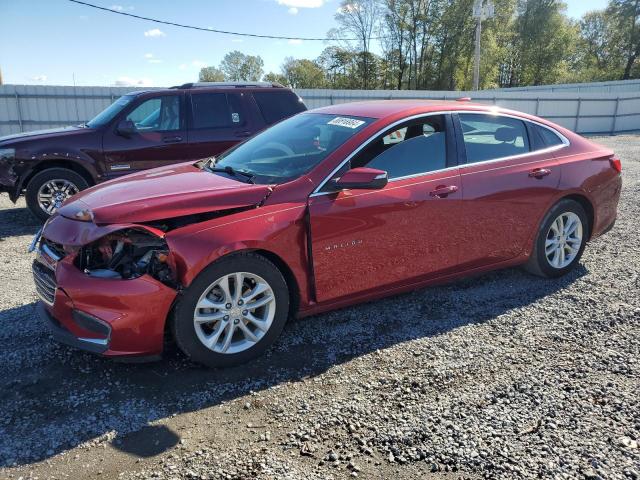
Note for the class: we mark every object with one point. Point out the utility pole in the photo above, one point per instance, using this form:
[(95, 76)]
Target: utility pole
[(481, 11)]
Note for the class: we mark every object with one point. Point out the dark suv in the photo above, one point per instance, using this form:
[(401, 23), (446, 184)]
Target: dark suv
[(138, 131)]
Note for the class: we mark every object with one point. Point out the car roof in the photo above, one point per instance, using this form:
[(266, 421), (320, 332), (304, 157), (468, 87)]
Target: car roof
[(388, 108), (214, 86)]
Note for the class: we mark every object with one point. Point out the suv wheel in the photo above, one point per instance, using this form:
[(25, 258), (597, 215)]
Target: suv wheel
[(232, 312), (560, 241), (48, 189)]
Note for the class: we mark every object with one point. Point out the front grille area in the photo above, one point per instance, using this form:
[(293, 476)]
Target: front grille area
[(56, 248), (45, 281)]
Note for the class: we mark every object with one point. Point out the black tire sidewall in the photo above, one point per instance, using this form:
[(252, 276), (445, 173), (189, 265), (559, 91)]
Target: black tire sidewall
[(183, 327), (31, 194), (559, 208)]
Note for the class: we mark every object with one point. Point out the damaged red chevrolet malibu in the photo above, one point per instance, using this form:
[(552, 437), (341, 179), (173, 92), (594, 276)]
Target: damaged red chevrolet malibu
[(331, 207)]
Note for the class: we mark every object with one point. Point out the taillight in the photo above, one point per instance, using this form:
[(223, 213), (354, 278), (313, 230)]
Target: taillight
[(616, 164)]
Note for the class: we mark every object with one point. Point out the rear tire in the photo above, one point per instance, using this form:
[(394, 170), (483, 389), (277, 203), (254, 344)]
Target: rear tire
[(49, 188), (560, 240), (218, 325)]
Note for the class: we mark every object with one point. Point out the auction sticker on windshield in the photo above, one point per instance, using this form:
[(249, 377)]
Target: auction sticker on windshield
[(345, 122)]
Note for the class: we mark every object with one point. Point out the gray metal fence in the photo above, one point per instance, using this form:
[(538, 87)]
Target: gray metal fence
[(614, 108)]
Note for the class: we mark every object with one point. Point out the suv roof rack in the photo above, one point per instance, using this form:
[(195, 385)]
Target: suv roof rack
[(187, 86)]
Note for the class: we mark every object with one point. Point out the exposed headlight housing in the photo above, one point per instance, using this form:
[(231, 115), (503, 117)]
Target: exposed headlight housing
[(128, 254)]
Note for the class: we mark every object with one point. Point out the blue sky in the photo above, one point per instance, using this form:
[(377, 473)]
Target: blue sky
[(50, 41)]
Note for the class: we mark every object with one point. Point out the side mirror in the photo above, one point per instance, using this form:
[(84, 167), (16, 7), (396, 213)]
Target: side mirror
[(126, 128), (362, 178)]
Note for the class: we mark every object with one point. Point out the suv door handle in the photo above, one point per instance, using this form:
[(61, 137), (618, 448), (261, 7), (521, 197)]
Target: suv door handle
[(174, 139), (539, 172), (442, 191), (243, 134)]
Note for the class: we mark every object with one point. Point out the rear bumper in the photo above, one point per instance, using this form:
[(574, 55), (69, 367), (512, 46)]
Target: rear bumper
[(114, 318)]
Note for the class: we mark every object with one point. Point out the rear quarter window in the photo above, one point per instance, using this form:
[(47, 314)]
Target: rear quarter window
[(547, 137), (278, 105)]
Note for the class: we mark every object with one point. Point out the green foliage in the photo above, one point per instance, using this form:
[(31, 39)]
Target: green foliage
[(211, 74), (237, 67), (302, 73), (429, 44)]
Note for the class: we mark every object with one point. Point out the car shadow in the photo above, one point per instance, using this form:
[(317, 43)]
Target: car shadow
[(53, 398), (17, 221)]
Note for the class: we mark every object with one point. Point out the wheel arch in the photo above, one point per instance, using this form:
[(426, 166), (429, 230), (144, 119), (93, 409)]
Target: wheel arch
[(57, 163), (586, 204)]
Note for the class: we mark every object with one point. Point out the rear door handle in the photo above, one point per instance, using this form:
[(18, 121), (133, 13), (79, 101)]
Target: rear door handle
[(174, 139), (442, 191), (243, 134), (539, 172)]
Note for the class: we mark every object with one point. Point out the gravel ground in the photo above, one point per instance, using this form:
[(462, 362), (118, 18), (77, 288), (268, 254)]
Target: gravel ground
[(501, 376)]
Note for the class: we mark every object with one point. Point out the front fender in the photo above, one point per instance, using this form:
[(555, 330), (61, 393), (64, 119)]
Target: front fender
[(278, 230)]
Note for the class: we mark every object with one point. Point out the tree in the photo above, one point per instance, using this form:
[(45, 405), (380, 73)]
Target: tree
[(359, 18), (276, 78), (303, 73), (237, 66), (211, 74), (626, 16)]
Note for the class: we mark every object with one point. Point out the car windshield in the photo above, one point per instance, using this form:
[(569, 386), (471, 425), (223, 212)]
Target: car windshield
[(110, 112), (290, 148)]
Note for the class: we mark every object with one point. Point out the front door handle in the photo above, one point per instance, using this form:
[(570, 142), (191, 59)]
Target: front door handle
[(539, 172), (174, 139), (442, 191)]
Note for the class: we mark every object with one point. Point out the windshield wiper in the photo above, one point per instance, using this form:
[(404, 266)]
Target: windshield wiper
[(231, 171)]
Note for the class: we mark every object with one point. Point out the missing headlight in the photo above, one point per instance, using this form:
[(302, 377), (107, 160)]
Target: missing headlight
[(127, 254)]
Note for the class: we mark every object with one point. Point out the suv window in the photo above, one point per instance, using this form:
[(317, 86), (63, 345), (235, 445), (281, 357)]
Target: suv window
[(419, 146), (158, 114), (276, 106), (216, 110), (487, 137)]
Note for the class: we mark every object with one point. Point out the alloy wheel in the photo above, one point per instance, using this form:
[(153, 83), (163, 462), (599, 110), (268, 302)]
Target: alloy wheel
[(53, 193), (563, 240), (234, 312)]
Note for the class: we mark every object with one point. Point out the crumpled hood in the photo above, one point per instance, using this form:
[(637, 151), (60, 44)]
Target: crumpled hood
[(162, 193), (8, 140)]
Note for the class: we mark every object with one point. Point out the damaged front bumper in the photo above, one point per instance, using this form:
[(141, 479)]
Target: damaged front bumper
[(113, 317)]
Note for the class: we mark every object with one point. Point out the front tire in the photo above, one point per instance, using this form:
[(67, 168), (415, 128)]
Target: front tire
[(560, 241), (48, 189), (232, 312)]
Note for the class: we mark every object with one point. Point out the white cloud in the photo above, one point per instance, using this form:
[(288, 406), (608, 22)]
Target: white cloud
[(154, 60), (182, 66), (148, 55), (133, 82), (237, 40), (39, 78), (120, 8), (295, 42), (199, 63), (293, 11), (301, 3), (155, 32)]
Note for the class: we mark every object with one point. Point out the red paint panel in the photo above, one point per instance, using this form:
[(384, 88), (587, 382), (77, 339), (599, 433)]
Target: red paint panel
[(364, 240)]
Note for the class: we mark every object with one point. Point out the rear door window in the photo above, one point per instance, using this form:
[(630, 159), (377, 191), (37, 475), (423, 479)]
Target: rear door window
[(489, 137), (216, 110), (278, 105)]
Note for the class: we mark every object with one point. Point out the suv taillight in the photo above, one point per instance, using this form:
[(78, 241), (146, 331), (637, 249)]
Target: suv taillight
[(616, 164)]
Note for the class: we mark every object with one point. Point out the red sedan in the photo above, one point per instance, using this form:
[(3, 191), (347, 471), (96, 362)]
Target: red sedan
[(331, 207)]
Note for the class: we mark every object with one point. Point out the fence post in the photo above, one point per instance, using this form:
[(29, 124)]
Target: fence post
[(537, 105), (575, 128), (615, 117), (19, 111)]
